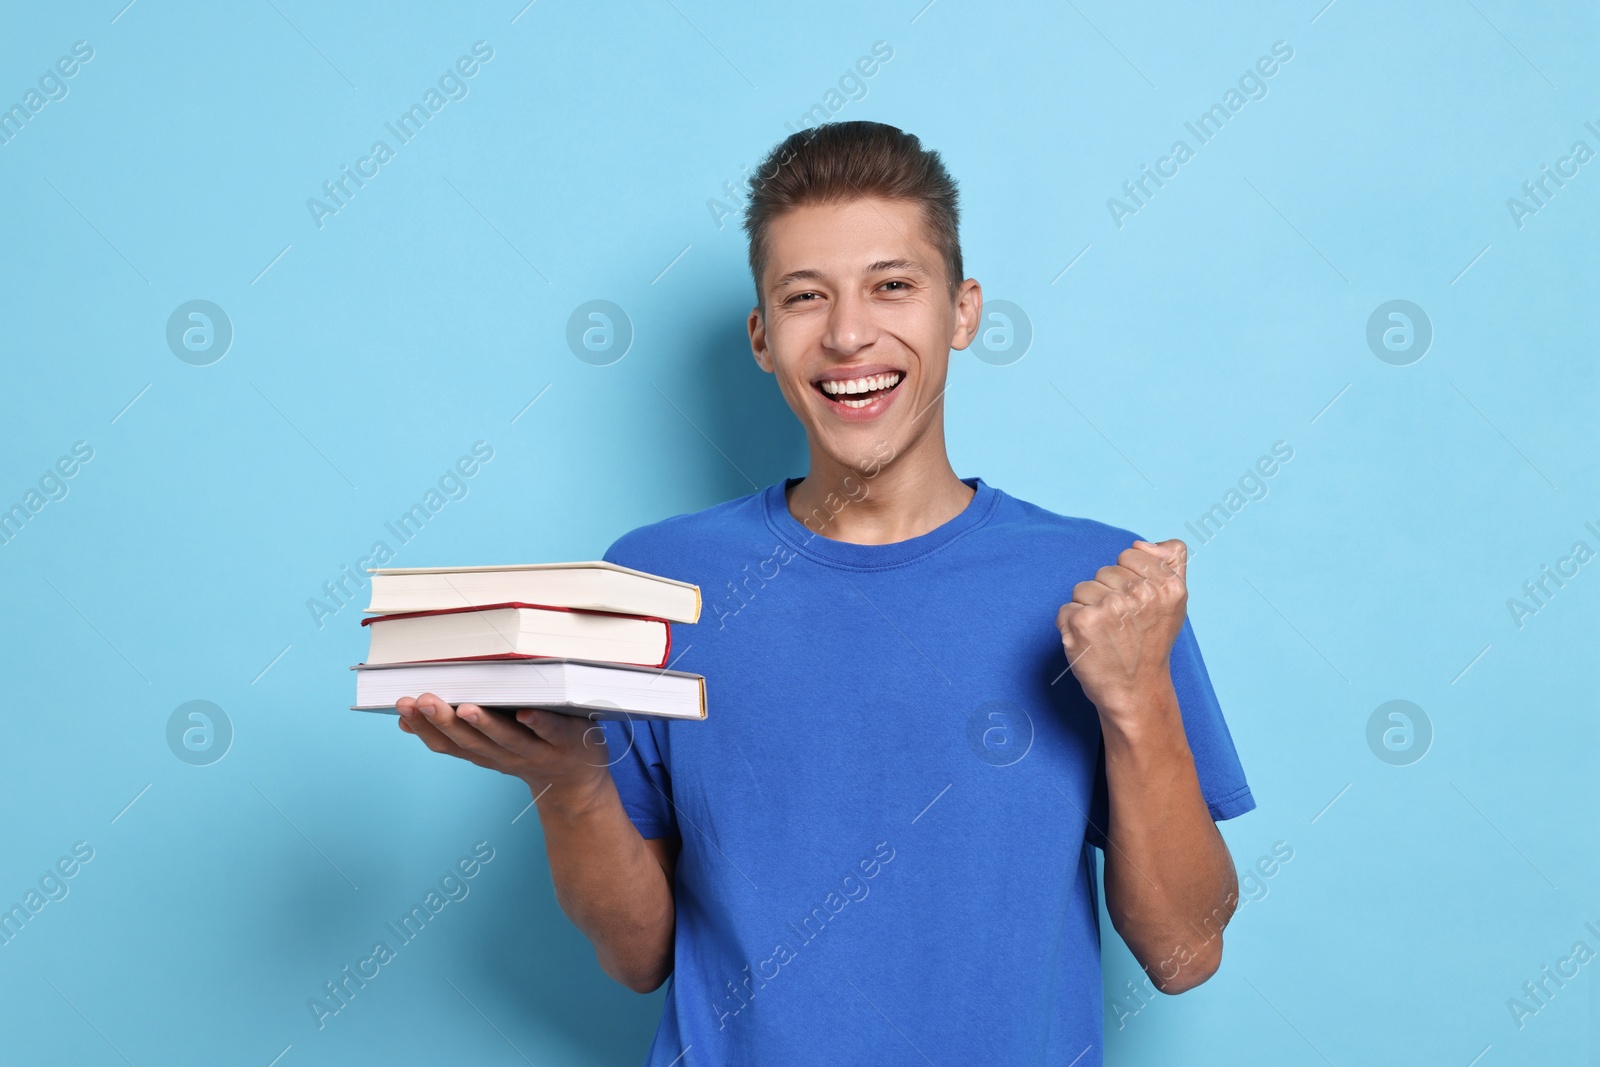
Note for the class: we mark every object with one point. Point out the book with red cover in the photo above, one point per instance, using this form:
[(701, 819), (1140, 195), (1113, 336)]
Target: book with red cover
[(518, 630)]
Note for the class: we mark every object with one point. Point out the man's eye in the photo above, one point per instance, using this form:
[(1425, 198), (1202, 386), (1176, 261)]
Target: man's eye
[(897, 282), (798, 296)]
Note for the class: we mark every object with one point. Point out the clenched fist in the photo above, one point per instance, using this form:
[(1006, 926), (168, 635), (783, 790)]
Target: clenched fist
[(1119, 628)]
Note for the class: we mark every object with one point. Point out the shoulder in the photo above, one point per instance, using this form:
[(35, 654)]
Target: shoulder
[(1025, 521), (705, 529)]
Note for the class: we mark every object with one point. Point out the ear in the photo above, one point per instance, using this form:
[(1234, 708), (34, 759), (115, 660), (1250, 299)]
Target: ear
[(758, 340), (969, 314)]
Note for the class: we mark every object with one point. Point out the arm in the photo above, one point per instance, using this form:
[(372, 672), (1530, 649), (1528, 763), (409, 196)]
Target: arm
[(614, 885), (1170, 883)]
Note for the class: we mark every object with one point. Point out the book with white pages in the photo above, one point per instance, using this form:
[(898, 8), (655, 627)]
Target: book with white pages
[(580, 688), (595, 585), (516, 630)]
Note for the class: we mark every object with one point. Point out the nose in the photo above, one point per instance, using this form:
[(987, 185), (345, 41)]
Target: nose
[(851, 326)]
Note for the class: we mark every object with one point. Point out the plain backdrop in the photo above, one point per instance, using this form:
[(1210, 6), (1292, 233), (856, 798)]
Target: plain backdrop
[(1143, 360)]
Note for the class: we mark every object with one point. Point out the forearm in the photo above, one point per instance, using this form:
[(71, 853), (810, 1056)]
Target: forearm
[(1170, 883), (610, 884)]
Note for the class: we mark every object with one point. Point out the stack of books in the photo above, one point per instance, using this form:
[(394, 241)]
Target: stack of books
[(585, 639)]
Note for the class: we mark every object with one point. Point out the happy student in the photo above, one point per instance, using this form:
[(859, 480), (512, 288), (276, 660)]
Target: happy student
[(932, 701)]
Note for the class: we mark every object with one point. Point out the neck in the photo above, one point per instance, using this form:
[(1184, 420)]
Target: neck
[(895, 499)]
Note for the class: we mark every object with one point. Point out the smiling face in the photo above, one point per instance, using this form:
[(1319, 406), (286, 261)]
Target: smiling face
[(858, 328)]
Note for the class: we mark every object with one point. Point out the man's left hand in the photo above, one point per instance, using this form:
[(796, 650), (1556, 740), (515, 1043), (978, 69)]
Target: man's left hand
[(1119, 628)]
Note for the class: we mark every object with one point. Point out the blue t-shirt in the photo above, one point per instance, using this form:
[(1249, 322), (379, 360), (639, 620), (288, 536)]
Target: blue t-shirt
[(887, 815)]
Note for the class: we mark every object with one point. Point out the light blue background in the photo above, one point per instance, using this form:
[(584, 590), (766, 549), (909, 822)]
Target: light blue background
[(1228, 314)]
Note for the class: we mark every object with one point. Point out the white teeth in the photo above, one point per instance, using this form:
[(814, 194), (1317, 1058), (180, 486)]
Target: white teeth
[(861, 385)]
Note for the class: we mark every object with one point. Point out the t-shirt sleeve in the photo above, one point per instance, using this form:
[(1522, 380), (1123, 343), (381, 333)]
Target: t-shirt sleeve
[(643, 781), (637, 764), (1222, 780)]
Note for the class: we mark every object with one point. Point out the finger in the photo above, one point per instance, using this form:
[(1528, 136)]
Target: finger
[(1064, 623), (406, 709), (1144, 561), (1120, 579), (1090, 593), (431, 737), (460, 726), (1180, 556), (509, 732), (569, 737), (566, 732), (1172, 552), (1152, 578)]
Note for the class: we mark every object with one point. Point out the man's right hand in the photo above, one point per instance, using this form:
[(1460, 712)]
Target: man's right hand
[(562, 754)]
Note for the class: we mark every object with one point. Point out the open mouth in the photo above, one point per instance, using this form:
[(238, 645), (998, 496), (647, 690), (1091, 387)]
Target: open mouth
[(859, 392)]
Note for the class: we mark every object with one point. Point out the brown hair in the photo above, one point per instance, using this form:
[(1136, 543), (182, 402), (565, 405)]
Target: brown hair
[(842, 161)]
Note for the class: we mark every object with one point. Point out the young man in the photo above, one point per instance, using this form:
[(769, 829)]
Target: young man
[(929, 701)]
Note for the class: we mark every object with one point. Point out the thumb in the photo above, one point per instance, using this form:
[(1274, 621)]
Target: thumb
[(1173, 551)]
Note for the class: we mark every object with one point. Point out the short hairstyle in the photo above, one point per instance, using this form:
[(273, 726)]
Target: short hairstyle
[(837, 162)]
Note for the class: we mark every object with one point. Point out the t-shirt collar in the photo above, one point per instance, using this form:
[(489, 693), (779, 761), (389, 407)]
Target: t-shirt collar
[(852, 556)]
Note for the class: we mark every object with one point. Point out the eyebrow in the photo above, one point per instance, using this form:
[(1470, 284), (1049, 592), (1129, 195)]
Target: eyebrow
[(807, 274)]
